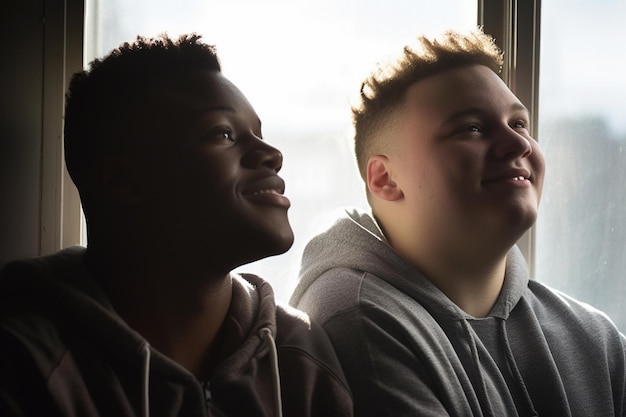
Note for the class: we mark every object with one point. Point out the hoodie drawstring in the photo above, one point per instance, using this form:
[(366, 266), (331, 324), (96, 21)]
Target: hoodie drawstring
[(516, 373), (266, 334), (476, 361), (145, 392)]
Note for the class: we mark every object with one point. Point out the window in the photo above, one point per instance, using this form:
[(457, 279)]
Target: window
[(581, 232), (300, 63)]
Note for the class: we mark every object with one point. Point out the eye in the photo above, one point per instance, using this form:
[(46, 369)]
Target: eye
[(469, 128), (220, 134), (520, 124), (227, 134)]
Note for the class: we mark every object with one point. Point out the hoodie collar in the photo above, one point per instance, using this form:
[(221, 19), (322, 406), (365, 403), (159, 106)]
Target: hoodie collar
[(355, 241), (252, 309)]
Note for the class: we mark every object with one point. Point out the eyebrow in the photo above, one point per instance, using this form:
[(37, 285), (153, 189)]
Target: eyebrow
[(198, 114), (476, 110), (218, 108), (214, 108), (519, 107)]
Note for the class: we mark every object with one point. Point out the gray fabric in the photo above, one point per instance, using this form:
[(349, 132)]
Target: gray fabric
[(407, 350)]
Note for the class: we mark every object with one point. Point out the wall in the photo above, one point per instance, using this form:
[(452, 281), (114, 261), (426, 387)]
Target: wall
[(21, 84), (39, 207)]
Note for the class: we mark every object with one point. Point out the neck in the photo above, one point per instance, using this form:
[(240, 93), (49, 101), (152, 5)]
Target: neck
[(470, 273), (476, 290), (179, 312)]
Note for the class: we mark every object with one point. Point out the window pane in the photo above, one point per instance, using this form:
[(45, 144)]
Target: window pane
[(581, 233), (300, 63)]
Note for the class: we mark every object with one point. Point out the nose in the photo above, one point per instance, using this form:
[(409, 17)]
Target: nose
[(261, 154), (511, 144)]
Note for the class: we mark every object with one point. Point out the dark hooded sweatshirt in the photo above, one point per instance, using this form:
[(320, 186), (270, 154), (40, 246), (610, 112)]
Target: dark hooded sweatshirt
[(408, 350), (65, 352)]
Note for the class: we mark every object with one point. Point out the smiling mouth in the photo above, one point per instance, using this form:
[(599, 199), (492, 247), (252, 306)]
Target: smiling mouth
[(517, 179), (269, 196), (259, 192)]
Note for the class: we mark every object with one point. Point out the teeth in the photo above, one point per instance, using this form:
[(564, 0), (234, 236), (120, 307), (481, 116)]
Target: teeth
[(519, 178), (265, 192)]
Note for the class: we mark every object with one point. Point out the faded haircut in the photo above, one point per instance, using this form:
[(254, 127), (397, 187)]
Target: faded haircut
[(384, 90)]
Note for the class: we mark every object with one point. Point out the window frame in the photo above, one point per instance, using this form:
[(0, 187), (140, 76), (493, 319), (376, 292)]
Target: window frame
[(516, 27), (60, 225)]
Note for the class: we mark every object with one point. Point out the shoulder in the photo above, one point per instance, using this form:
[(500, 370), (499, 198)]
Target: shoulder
[(28, 320), (546, 299), (351, 292), (309, 368), (63, 258), (34, 336), (31, 349), (25, 278), (562, 313), (31, 336), (297, 333), (333, 291), (300, 337), (40, 311)]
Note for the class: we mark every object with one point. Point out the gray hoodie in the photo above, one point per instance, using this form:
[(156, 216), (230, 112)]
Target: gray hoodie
[(407, 350), (65, 352)]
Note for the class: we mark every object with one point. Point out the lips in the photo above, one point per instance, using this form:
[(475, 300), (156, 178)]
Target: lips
[(268, 190), (513, 175)]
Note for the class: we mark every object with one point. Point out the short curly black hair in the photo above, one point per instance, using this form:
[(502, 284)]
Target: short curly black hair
[(100, 99), (384, 90)]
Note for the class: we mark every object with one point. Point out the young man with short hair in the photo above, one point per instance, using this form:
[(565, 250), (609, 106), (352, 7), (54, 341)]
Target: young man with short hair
[(178, 188), (426, 299)]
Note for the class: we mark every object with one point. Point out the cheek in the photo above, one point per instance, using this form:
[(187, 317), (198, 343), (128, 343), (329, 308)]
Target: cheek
[(214, 184), (411, 173), (422, 184), (464, 165), (538, 165), (538, 160)]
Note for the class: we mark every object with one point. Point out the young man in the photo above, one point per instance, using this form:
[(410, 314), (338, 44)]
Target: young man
[(427, 300), (178, 188)]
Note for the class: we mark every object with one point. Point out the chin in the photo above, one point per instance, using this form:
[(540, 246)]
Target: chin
[(283, 242), (513, 220), (522, 221), (277, 235), (269, 243)]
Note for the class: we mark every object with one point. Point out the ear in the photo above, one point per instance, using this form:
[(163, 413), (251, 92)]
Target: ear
[(380, 182), (116, 181)]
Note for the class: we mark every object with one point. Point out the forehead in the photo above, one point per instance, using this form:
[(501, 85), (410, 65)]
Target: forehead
[(175, 107), (458, 89), (199, 89)]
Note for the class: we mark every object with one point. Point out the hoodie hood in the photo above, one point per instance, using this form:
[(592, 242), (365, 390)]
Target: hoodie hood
[(355, 241), (61, 285)]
